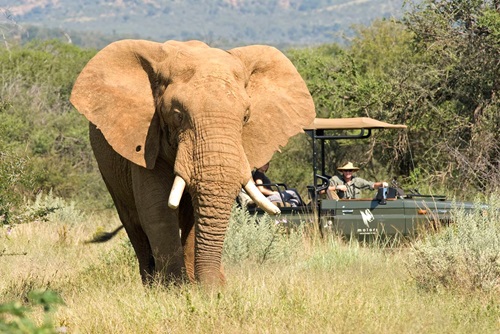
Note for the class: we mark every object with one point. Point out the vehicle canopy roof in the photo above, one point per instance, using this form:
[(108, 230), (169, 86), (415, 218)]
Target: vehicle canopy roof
[(350, 123)]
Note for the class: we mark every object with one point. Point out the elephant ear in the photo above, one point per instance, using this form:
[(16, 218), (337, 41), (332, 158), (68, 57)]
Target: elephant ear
[(281, 105), (115, 92)]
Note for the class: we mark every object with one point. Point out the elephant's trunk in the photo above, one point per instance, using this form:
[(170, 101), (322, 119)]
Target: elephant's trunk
[(212, 209), (214, 181), (214, 188)]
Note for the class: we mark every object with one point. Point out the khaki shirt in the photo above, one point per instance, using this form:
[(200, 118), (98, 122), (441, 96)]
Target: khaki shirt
[(353, 187)]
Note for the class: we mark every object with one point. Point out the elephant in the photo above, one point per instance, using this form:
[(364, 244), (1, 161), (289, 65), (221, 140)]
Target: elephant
[(176, 129)]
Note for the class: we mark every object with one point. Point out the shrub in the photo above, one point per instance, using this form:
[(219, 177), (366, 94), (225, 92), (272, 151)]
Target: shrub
[(259, 239), (464, 256), (18, 320), (14, 177), (47, 207)]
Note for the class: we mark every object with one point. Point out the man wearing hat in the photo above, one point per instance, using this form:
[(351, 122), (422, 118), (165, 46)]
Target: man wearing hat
[(348, 186)]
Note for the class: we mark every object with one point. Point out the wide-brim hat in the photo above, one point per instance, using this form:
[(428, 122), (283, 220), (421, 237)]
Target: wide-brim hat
[(348, 166)]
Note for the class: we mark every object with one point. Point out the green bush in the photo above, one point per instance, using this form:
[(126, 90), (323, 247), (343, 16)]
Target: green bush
[(14, 316), (47, 207), (463, 256), (14, 179), (259, 240)]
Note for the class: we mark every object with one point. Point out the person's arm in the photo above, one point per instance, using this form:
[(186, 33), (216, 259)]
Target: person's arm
[(264, 190), (380, 184), (336, 185), (361, 183)]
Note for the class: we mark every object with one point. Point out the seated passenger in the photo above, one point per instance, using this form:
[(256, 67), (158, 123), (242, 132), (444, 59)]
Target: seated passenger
[(346, 185), (290, 196)]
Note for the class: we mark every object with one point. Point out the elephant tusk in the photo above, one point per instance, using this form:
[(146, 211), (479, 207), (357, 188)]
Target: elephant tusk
[(176, 193), (260, 199)]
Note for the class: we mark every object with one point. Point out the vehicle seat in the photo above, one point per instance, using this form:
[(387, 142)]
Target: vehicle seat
[(246, 201), (392, 193)]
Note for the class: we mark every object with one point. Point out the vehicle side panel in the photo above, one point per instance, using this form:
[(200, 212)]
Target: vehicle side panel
[(365, 216)]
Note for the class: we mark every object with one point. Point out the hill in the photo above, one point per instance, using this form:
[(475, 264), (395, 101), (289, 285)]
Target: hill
[(218, 22)]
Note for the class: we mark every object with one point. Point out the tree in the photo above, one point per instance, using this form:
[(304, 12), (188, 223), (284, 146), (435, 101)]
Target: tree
[(437, 72), (460, 43)]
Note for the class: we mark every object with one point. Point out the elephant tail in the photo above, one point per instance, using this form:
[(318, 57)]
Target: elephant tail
[(104, 236)]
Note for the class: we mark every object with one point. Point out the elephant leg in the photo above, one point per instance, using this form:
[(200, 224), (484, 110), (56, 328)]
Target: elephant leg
[(130, 220), (139, 240), (159, 222)]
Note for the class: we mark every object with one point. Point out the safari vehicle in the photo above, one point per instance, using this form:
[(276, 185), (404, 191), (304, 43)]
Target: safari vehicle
[(390, 212)]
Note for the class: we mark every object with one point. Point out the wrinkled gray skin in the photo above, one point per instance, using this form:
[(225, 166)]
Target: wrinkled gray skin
[(160, 110)]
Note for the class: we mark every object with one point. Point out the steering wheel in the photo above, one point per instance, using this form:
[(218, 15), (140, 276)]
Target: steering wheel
[(325, 182)]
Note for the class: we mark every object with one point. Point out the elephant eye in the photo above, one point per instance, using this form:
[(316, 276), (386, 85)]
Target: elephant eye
[(246, 117), (178, 117)]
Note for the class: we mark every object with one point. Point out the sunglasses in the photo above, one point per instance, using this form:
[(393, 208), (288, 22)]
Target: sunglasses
[(348, 170)]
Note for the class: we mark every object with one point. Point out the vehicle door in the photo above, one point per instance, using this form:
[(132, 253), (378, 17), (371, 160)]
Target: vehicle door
[(366, 216)]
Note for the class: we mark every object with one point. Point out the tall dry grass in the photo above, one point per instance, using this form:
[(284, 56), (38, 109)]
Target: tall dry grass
[(304, 284)]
